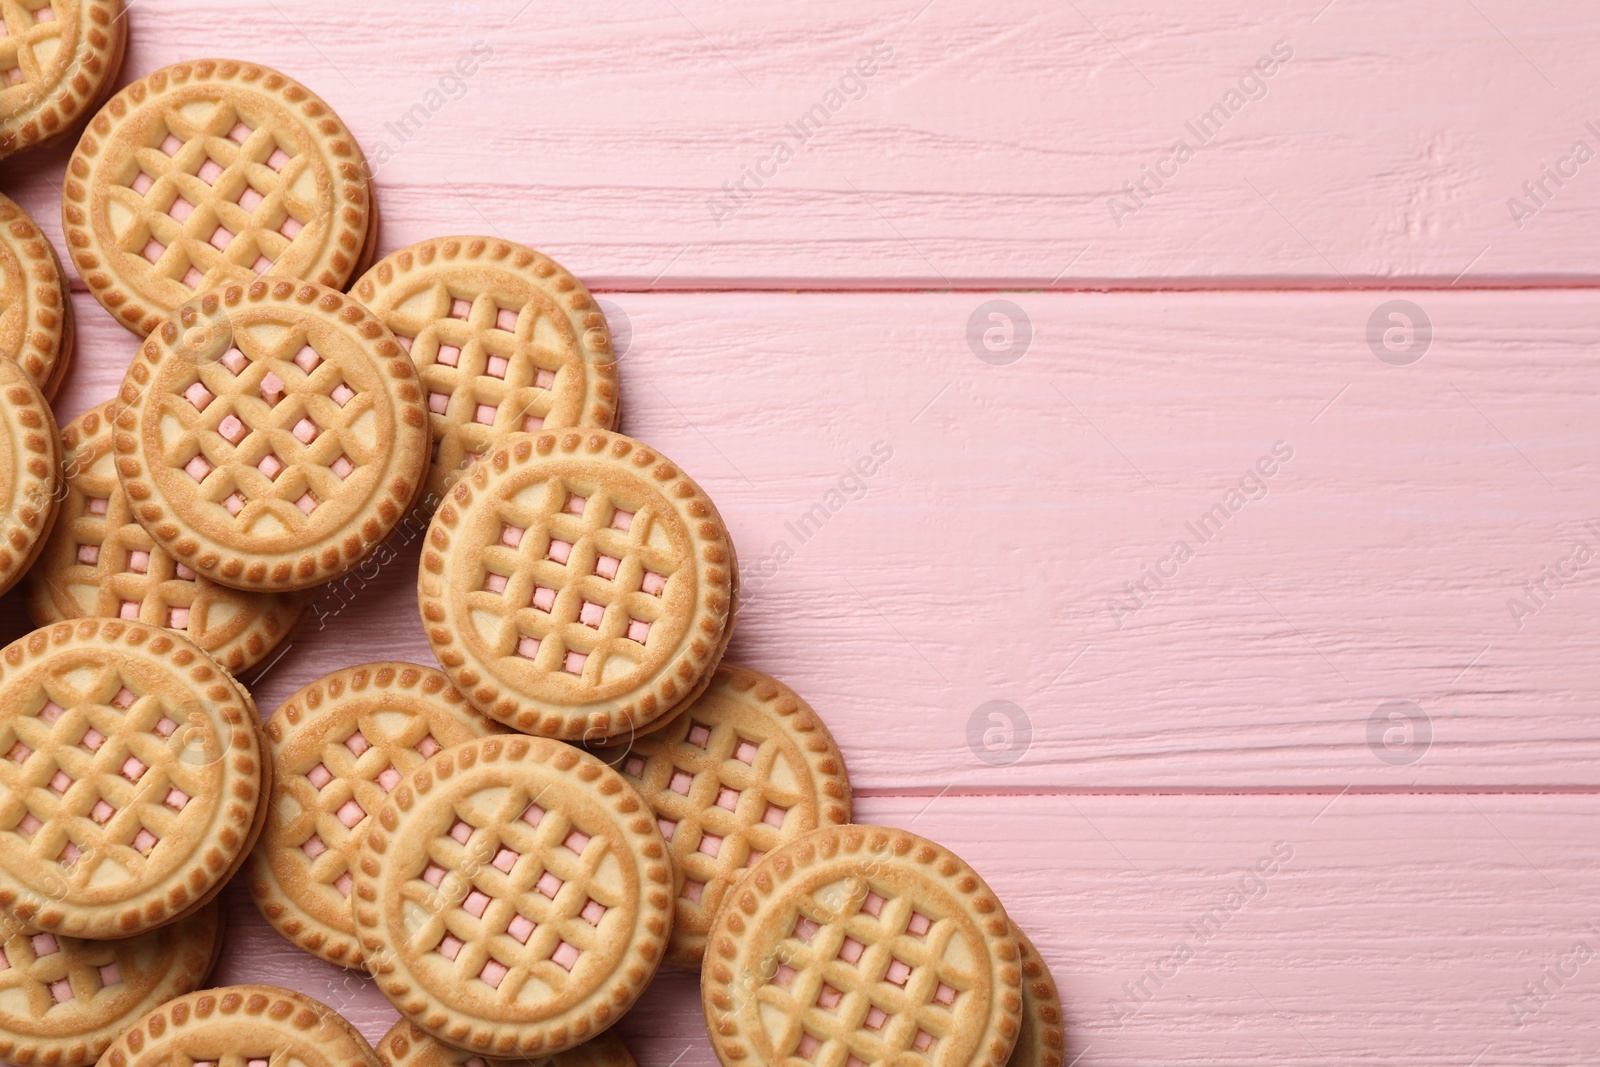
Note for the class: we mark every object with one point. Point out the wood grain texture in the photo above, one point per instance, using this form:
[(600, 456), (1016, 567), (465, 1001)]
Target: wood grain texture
[(1393, 930), (985, 150), (986, 558), (1338, 677)]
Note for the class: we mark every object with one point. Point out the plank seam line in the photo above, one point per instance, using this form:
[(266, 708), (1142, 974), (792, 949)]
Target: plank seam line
[(797, 287), (920, 793)]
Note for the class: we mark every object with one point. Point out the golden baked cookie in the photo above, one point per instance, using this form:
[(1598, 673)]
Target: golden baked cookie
[(408, 1045), (30, 472), (513, 896), (338, 747), (578, 585), (271, 434), (69, 335), (208, 173), (1042, 1039), (747, 767), (35, 311), (505, 341), (860, 944), (58, 61), (130, 780), (99, 562), (241, 1026), (63, 999)]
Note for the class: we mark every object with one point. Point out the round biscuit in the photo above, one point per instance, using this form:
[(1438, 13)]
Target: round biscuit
[(862, 943), (207, 173), (99, 562), (578, 585), (30, 472), (130, 781), (513, 896), (747, 767), (338, 747), (504, 340), (64, 56), (64, 999), (270, 435)]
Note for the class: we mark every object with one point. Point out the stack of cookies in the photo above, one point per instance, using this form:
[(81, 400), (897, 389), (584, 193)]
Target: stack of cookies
[(510, 844)]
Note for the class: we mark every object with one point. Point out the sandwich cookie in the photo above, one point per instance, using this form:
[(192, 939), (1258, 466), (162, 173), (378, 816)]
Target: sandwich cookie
[(858, 945), (270, 435), (209, 173), (1042, 1039), (747, 768), (408, 1045), (131, 778), (338, 747), (63, 999), (578, 585), (30, 472), (513, 896), (58, 62), (36, 326), (241, 1026), (504, 339), (98, 561)]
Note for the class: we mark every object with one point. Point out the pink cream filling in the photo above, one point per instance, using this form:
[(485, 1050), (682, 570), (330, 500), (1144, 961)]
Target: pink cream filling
[(271, 388)]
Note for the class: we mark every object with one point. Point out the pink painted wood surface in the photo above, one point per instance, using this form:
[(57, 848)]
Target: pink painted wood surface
[(985, 150), (981, 561), (1429, 883), (1395, 930)]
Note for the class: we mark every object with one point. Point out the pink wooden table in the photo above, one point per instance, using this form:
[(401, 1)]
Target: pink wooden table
[(1193, 557)]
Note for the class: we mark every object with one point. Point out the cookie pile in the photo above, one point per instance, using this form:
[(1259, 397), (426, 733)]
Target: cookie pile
[(512, 844)]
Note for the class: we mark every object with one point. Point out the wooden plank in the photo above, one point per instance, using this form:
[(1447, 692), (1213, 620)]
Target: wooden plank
[(985, 147), (1386, 929), (987, 559)]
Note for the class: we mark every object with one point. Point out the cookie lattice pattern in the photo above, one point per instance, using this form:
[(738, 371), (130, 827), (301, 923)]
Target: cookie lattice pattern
[(524, 902), (489, 367), (868, 980), (717, 802), (38, 971), (94, 779), (132, 578), (268, 432), (30, 38), (575, 585), (351, 779), (211, 198)]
